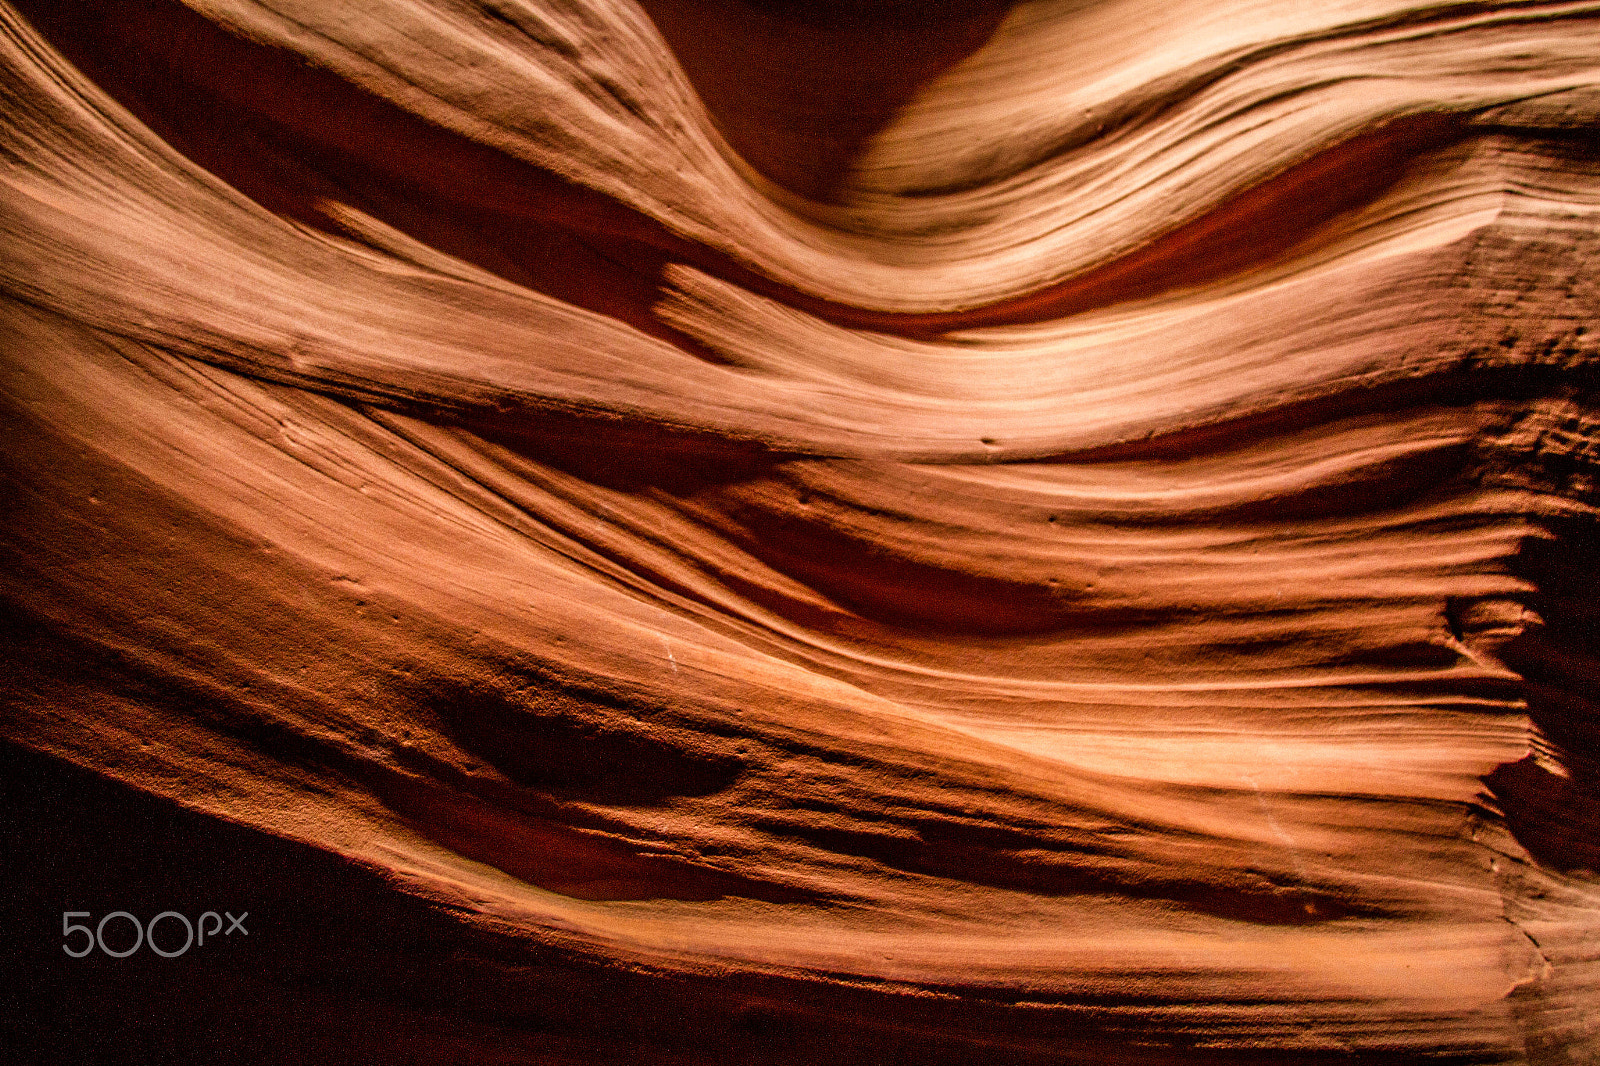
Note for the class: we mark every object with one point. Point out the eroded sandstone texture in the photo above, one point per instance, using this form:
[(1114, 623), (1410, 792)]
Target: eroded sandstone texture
[(753, 531)]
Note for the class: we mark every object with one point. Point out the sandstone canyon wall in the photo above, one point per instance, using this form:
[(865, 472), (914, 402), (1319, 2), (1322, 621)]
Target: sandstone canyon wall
[(745, 531)]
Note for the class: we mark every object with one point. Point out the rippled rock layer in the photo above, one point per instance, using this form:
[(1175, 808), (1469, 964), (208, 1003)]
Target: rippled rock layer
[(741, 531)]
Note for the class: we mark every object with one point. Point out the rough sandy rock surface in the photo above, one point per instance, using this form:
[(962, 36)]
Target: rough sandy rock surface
[(744, 531)]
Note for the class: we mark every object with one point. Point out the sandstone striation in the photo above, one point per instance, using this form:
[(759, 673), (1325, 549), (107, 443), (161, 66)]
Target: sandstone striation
[(740, 531)]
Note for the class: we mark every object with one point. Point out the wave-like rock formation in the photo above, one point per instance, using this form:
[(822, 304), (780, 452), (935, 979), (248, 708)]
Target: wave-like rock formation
[(743, 531)]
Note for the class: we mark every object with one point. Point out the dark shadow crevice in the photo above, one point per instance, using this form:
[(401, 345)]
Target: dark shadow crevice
[(1552, 804), (798, 89)]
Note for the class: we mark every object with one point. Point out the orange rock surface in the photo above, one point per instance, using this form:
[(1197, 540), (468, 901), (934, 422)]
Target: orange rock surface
[(746, 531)]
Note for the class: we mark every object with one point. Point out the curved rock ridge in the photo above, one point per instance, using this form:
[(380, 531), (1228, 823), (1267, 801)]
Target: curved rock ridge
[(740, 531)]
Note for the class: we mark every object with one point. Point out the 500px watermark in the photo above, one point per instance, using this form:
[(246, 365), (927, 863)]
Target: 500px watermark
[(146, 934)]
